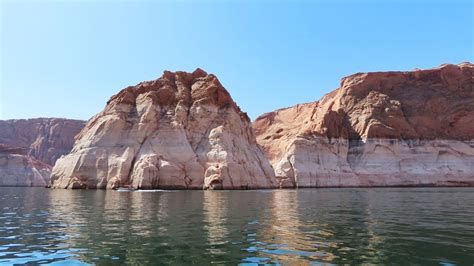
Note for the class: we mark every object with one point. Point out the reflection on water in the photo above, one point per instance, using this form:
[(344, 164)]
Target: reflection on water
[(215, 220), (393, 225), (282, 237)]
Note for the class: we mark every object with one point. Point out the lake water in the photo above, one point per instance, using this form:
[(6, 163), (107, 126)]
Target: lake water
[(308, 226)]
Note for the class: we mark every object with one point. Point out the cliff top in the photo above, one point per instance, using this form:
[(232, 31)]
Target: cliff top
[(419, 104), (183, 88)]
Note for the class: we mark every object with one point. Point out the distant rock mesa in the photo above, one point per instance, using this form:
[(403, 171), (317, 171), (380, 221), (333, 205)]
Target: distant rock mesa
[(378, 129), (181, 131)]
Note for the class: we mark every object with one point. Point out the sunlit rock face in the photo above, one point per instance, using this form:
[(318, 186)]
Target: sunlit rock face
[(44, 139), (20, 170), (181, 131), (378, 129)]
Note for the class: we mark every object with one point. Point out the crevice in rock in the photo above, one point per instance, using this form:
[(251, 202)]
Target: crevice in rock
[(293, 173)]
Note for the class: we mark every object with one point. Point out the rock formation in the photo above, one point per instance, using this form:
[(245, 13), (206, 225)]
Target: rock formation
[(45, 139), (20, 170), (29, 148), (181, 131), (378, 129)]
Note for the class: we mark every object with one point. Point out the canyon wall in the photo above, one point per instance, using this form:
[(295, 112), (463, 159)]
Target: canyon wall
[(20, 170), (411, 128), (45, 139), (181, 131), (29, 148)]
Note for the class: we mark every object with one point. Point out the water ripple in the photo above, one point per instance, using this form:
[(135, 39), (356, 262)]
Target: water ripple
[(333, 226)]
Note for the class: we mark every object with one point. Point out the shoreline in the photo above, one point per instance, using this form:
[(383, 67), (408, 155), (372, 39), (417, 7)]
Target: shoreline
[(256, 189)]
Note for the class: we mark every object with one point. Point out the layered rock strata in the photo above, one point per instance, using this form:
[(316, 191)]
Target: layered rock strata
[(411, 128), (45, 139), (181, 131), (20, 170), (29, 148)]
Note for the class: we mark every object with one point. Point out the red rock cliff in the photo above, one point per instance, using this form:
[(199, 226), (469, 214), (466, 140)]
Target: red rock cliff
[(181, 131), (378, 129), (45, 139), (19, 169)]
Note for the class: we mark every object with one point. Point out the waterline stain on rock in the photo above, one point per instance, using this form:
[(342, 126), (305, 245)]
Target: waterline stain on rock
[(411, 128), (181, 131)]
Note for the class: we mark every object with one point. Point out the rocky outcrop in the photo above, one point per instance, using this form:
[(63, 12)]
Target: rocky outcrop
[(29, 148), (20, 170), (44, 139), (181, 131), (378, 129)]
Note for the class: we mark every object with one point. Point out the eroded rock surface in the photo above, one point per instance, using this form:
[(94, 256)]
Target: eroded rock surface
[(378, 129), (20, 170), (181, 131), (45, 139), (29, 148)]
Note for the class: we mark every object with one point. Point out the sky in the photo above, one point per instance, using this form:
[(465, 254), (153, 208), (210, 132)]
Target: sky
[(67, 58)]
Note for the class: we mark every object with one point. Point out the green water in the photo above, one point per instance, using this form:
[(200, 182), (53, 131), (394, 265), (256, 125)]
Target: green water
[(391, 225)]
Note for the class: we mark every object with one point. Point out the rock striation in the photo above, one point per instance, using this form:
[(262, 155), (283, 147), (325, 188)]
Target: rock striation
[(181, 131), (29, 148), (411, 128), (44, 139), (18, 169)]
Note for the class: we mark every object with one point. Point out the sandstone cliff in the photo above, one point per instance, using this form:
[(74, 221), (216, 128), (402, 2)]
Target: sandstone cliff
[(181, 131), (45, 139), (29, 147), (19, 169), (378, 129)]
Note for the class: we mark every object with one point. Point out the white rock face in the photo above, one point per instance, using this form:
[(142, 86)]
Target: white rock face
[(19, 170), (320, 162), (413, 128), (182, 131)]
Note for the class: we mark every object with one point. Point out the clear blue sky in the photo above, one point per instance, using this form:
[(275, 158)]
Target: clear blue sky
[(66, 58)]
